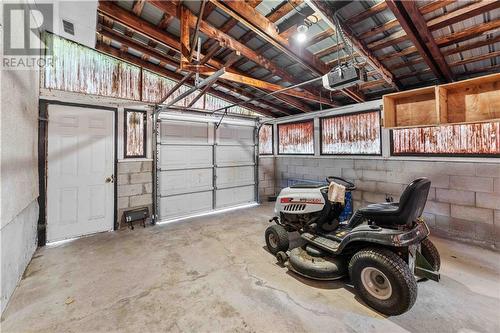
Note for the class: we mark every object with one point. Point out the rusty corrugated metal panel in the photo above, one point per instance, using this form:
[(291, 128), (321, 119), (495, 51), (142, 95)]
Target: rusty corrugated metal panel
[(266, 140), (155, 86), (77, 68), (296, 138), (461, 139), (351, 134)]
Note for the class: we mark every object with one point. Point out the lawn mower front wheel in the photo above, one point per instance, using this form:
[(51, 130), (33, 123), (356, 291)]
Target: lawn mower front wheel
[(277, 239)]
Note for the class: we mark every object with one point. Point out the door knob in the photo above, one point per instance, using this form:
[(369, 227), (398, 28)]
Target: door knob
[(110, 179)]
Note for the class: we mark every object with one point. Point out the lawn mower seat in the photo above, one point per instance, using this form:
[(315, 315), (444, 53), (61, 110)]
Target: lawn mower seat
[(407, 210)]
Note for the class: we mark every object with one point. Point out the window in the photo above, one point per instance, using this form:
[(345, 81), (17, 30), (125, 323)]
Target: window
[(266, 140), (480, 139), (135, 134), (351, 134), (296, 138)]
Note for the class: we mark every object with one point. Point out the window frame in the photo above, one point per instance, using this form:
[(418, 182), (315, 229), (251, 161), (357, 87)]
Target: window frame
[(298, 122), (460, 155), (344, 115), (125, 134), (272, 140)]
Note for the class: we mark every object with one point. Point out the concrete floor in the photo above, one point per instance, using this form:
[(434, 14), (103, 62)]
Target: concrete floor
[(213, 274)]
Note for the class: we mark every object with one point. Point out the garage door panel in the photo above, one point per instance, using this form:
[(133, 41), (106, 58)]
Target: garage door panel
[(178, 132), (185, 204), (235, 176), (235, 135), (234, 155), (235, 196), (183, 181), (180, 157)]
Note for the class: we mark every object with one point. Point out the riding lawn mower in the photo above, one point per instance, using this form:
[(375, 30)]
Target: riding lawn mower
[(383, 248)]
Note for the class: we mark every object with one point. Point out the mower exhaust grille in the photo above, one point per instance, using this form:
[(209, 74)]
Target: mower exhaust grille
[(294, 207)]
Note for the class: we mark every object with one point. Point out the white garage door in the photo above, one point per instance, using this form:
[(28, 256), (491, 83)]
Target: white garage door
[(202, 169)]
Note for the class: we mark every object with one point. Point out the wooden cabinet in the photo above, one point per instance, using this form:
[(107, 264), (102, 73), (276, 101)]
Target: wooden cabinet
[(474, 100)]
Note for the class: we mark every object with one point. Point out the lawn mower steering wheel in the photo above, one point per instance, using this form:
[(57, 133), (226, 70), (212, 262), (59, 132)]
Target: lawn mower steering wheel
[(348, 185)]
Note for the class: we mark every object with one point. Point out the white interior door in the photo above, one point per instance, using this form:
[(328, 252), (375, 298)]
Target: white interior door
[(80, 189)]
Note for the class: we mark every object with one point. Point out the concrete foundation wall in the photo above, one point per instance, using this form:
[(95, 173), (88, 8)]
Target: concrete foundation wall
[(134, 186), (19, 242), (19, 175), (463, 203)]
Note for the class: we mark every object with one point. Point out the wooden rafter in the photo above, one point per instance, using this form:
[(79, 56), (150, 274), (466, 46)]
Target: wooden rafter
[(261, 26), (228, 25), (472, 46), (265, 29), (138, 7), (237, 46), (392, 39), (323, 8), (282, 9), (149, 52), (476, 58), (377, 8), (225, 40), (165, 21), (380, 29), (172, 75), (329, 50), (463, 13), (435, 5), (468, 33), (413, 23), (151, 31)]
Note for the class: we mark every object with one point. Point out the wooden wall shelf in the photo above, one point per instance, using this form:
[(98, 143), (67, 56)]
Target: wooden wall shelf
[(468, 101)]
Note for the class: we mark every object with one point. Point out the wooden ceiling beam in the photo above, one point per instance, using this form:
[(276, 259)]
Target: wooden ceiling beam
[(377, 8), (225, 40), (482, 71), (476, 58), (143, 48), (413, 23), (411, 74), (250, 81), (165, 21), (151, 52), (435, 5), (228, 25), (463, 13), (380, 29), (265, 29), (325, 10), (319, 37), (406, 64), (138, 7), (392, 39), (468, 33), (261, 26), (329, 50), (149, 30), (282, 9), (172, 75), (472, 46), (403, 53)]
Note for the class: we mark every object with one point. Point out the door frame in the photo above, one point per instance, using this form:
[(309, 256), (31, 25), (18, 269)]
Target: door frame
[(43, 108)]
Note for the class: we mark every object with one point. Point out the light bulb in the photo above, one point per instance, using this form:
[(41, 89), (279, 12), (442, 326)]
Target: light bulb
[(301, 33)]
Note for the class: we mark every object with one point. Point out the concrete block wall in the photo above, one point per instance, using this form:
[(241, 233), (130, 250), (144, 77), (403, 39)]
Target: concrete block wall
[(134, 187), (267, 184), (463, 203)]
